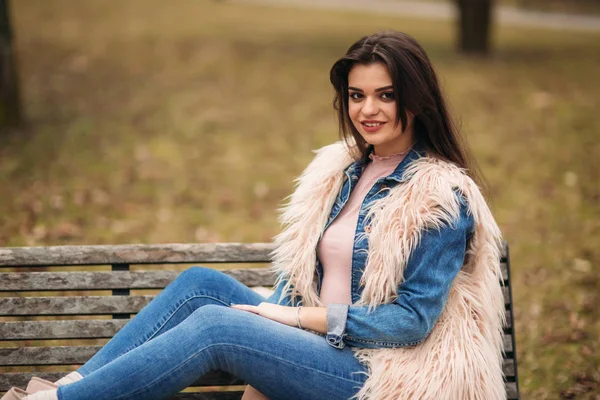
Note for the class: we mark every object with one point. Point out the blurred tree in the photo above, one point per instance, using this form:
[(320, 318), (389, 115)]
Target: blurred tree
[(475, 17), (10, 107)]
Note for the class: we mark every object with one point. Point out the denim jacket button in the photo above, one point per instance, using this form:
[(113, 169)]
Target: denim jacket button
[(368, 228)]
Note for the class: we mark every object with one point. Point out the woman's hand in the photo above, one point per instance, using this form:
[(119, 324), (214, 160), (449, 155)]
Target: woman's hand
[(283, 314), (313, 318), (252, 394)]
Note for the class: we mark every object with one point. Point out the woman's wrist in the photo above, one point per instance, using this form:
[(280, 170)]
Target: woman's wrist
[(313, 318), (298, 322)]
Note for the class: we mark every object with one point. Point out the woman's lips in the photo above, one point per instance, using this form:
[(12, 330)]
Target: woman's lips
[(373, 126)]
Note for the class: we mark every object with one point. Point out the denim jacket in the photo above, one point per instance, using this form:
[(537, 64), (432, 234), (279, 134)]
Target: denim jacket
[(428, 275)]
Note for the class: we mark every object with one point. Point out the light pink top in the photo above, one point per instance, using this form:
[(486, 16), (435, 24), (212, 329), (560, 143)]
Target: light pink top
[(335, 248)]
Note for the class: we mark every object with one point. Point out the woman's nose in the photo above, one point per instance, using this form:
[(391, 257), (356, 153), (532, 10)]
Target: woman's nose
[(370, 107)]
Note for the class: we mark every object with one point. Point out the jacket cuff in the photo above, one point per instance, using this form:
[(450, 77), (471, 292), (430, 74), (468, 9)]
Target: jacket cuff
[(336, 324)]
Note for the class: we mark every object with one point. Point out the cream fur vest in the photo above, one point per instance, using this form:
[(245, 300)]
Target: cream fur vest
[(461, 359)]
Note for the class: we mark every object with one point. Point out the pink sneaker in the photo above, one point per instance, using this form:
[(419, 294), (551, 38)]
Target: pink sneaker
[(14, 394), (38, 384)]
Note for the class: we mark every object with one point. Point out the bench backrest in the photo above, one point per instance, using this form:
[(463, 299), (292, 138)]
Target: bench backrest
[(103, 278)]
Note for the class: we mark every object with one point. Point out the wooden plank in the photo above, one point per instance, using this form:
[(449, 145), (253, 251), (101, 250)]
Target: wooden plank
[(86, 329), (504, 269), (67, 355), (136, 254), (56, 355), (511, 390), (73, 305), (508, 367), (507, 340), (72, 329), (31, 281), (504, 251), (508, 319), (89, 329), (506, 294), (216, 378), (20, 379)]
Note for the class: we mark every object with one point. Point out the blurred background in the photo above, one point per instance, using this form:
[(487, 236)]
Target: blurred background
[(147, 121)]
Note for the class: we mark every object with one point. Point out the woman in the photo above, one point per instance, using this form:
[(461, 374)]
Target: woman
[(387, 269)]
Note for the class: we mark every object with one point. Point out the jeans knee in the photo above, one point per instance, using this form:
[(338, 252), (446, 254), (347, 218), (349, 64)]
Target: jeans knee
[(194, 273), (220, 317), (200, 276), (210, 321), (210, 313)]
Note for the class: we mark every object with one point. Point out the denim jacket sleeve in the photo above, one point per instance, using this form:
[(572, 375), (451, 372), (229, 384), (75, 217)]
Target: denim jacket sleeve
[(408, 320)]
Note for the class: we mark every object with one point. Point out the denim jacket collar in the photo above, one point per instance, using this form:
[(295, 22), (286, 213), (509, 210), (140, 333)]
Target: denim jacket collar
[(418, 150)]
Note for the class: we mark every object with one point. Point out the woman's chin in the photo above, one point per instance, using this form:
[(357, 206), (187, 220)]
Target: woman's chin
[(375, 140)]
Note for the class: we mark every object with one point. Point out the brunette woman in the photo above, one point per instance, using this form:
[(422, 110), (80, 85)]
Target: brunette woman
[(388, 269)]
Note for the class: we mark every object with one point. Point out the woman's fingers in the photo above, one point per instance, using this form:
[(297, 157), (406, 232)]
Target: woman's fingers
[(246, 307), (283, 314)]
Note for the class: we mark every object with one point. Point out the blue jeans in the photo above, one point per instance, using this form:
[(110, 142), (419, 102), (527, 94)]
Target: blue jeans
[(189, 329)]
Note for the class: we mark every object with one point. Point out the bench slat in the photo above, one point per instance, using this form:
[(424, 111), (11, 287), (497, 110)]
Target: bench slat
[(136, 254), (73, 305), (511, 390), (82, 305), (506, 294), (20, 379), (31, 281), (89, 305), (509, 320), (56, 355), (215, 378), (68, 355), (508, 367), (83, 329), (54, 281), (139, 254), (504, 270), (71, 329)]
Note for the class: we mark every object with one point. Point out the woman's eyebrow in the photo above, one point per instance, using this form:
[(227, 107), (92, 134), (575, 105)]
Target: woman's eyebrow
[(381, 89)]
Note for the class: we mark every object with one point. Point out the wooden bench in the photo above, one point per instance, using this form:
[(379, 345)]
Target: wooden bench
[(120, 270)]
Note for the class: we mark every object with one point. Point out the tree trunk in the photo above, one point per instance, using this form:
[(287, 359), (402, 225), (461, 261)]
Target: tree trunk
[(10, 108), (474, 26)]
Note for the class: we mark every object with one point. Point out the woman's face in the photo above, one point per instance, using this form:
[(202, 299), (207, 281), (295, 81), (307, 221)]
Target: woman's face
[(372, 109)]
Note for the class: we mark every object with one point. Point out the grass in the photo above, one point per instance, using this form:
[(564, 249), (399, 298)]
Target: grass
[(558, 6), (187, 121)]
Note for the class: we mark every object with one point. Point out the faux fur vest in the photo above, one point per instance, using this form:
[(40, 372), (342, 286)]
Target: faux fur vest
[(461, 359)]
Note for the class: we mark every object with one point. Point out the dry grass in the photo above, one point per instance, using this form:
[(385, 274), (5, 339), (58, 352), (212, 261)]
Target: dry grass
[(183, 121)]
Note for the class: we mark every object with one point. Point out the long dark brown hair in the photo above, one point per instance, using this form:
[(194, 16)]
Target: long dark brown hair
[(416, 89)]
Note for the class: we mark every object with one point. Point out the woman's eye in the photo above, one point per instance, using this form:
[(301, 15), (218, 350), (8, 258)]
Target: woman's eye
[(387, 96), (355, 96)]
